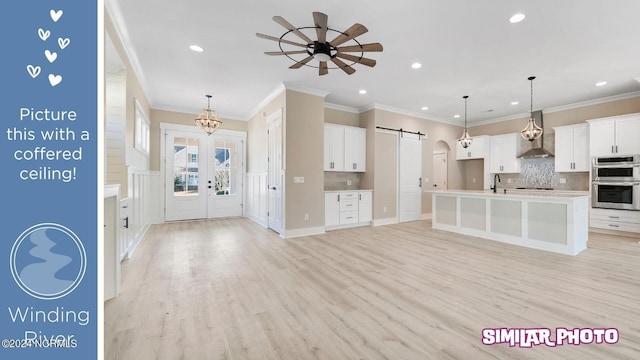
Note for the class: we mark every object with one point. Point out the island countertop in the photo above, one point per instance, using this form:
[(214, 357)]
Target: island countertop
[(548, 220)]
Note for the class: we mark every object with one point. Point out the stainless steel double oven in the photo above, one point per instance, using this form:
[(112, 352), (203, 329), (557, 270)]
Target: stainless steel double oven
[(616, 182)]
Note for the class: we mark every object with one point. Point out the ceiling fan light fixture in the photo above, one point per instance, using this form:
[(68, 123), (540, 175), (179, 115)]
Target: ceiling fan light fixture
[(208, 120), (532, 131), (466, 139)]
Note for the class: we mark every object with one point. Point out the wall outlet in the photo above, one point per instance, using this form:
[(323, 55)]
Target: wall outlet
[(298, 180), (473, 180), (426, 180), (348, 182), (509, 181), (563, 181), (306, 217), (384, 209)]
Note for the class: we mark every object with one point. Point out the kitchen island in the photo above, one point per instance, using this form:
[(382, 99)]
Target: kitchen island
[(544, 220)]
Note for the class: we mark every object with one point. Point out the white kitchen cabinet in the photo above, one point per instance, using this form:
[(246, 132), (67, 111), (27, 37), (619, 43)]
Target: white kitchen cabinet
[(572, 148), (617, 220), (477, 150), (344, 209), (365, 206), (505, 150), (355, 149), (614, 136), (333, 148), (345, 148)]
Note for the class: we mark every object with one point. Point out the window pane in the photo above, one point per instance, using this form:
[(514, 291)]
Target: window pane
[(185, 167), (225, 162)]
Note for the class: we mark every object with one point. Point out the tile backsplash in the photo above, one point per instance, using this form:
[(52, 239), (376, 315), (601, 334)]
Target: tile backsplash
[(341, 181), (541, 173)]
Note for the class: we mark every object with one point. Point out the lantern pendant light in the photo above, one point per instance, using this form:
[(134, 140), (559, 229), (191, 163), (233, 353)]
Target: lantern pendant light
[(532, 131), (208, 120), (465, 140)]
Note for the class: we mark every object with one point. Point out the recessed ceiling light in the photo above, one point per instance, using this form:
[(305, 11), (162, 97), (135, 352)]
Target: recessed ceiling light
[(601, 83), (425, 108), (514, 103), (416, 65), (456, 116), (362, 92), (196, 48), (516, 18)]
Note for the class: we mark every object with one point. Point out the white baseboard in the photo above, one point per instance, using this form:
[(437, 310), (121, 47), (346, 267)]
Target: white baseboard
[(427, 216), (302, 232), (347, 226), (387, 221)]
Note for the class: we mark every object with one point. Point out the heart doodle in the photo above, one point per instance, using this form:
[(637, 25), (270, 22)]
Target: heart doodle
[(34, 71), (63, 43), (44, 34), (55, 79), (55, 15), (51, 56)]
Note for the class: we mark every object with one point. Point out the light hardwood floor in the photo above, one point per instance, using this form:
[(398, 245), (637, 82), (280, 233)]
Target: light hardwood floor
[(230, 289)]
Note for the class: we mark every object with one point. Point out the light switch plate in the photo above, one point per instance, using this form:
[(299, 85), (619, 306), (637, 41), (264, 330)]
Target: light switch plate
[(298, 180), (563, 181)]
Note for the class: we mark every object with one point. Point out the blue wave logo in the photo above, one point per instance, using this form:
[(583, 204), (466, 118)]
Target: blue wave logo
[(48, 261)]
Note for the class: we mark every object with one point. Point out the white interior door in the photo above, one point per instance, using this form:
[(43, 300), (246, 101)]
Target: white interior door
[(186, 171), (275, 213), (226, 173), (440, 170), (410, 178)]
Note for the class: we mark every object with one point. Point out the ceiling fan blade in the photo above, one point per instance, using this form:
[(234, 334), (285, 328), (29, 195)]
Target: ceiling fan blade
[(352, 32), (263, 36), (280, 20), (323, 70), (346, 68), (300, 63), (361, 48), (320, 20), (359, 60), (286, 52)]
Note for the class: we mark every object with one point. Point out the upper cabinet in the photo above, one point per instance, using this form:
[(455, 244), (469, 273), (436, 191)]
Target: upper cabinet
[(345, 148), (505, 150), (615, 136), (479, 149), (572, 148)]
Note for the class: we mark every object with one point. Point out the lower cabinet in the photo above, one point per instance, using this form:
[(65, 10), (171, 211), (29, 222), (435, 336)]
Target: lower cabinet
[(343, 209), (617, 220)]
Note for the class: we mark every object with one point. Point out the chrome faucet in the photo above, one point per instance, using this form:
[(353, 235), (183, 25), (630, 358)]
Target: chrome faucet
[(495, 184)]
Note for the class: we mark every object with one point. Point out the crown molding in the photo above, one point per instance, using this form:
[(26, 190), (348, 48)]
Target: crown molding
[(115, 13), (305, 90), (272, 95), (341, 108)]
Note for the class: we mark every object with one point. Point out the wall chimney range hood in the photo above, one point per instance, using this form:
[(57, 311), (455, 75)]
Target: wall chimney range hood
[(537, 150)]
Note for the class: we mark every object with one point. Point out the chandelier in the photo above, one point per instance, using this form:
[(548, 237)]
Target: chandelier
[(208, 120), (532, 131), (465, 140)]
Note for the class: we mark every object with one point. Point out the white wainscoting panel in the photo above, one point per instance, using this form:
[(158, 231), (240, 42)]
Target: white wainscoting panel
[(256, 208)]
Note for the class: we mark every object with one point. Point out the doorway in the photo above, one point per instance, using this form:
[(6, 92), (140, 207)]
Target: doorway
[(275, 177), (440, 177), (204, 175), (409, 178)]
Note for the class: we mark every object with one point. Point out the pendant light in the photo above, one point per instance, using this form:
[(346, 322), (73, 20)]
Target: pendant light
[(532, 131), (208, 120), (465, 140)]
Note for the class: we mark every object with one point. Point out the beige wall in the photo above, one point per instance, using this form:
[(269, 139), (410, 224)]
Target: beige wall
[(257, 142), (340, 117), (368, 121), (304, 142), (172, 117), (133, 91)]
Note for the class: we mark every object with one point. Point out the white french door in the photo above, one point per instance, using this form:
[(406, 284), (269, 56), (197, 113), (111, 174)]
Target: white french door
[(275, 214), (409, 178), (185, 175), (204, 175)]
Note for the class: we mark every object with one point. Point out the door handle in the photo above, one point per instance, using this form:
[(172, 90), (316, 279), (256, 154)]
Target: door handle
[(435, 185), (420, 182), (272, 188)]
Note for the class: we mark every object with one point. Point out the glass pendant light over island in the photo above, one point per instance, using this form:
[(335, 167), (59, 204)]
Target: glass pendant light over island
[(208, 120), (465, 140), (532, 131)]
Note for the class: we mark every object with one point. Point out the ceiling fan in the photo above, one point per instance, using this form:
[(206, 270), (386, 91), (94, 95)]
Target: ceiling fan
[(321, 49)]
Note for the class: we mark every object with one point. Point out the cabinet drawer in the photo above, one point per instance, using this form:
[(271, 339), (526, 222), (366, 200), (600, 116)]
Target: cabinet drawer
[(348, 195), (348, 217), (615, 225), (348, 205), (616, 215)]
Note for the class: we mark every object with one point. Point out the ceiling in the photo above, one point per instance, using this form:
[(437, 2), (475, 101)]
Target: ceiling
[(466, 47)]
